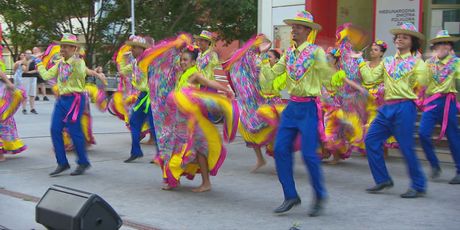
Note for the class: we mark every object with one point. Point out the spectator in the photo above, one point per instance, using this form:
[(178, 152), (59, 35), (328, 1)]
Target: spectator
[(29, 77), (17, 70), (40, 82)]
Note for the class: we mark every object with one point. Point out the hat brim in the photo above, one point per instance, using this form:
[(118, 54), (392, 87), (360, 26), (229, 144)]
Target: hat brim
[(445, 39), (408, 32), (139, 44), (203, 38), (78, 44), (312, 25)]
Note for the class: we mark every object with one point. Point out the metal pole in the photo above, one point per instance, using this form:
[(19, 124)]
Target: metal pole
[(132, 18)]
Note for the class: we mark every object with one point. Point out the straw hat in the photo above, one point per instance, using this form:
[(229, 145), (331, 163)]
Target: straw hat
[(137, 41), (409, 29), (443, 36), (303, 18), (205, 35), (69, 39)]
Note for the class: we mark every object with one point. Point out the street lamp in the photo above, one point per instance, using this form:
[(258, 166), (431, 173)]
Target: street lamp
[(132, 18)]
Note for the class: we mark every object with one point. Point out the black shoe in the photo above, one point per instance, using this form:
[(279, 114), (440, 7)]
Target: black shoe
[(131, 158), (455, 180), (45, 98), (37, 98), (380, 186), (24, 111), (59, 169), (80, 170), (412, 193), (435, 173), (317, 207), (33, 111), (287, 205)]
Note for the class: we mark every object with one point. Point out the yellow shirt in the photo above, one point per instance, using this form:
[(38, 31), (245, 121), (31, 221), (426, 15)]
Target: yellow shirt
[(442, 75), (306, 81), (70, 74), (400, 74), (207, 62), (184, 77), (139, 80)]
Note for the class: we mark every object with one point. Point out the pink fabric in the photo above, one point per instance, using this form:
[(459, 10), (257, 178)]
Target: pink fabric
[(74, 108), (449, 97)]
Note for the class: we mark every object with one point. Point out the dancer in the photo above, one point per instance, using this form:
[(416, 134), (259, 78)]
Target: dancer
[(441, 105), (307, 69), (141, 110), (400, 74), (70, 72), (11, 99), (378, 49), (257, 98)]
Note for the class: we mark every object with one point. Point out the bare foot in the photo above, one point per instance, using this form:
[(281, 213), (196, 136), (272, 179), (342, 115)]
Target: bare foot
[(2, 158), (202, 188), (259, 165), (149, 142), (333, 161), (166, 187)]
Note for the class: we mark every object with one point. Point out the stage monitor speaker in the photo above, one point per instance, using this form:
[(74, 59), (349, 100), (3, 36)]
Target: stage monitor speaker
[(71, 209)]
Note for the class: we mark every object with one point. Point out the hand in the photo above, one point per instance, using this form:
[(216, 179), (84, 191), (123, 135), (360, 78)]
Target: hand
[(10, 86), (102, 77), (229, 94), (356, 55)]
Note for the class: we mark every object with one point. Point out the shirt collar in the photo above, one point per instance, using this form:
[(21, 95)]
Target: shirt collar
[(403, 56), (205, 52), (446, 59), (68, 60), (302, 46)]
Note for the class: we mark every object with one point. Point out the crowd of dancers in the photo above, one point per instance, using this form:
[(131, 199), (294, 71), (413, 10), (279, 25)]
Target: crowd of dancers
[(339, 103)]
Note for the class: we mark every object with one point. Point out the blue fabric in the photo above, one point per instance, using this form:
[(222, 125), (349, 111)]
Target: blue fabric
[(299, 117), (61, 108), (427, 124), (136, 121), (398, 120)]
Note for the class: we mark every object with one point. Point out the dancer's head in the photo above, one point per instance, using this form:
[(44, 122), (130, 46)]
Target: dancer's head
[(407, 38), (302, 24), (69, 45), (443, 44), (274, 56), (378, 49), (188, 57), (204, 40), (138, 45)]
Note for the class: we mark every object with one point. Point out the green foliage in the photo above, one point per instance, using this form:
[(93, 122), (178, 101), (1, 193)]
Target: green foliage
[(38, 23)]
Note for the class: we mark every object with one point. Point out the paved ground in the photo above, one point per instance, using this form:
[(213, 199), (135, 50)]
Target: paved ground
[(239, 200)]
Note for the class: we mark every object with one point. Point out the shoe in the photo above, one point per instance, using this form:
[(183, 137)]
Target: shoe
[(80, 170), (412, 193), (33, 111), (45, 98), (380, 187), (455, 180), (59, 169), (317, 207), (287, 205), (37, 98), (435, 173), (131, 158), (24, 111)]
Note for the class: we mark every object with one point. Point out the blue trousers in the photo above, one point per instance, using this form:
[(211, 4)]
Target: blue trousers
[(298, 117), (136, 121), (398, 120), (61, 109), (427, 124)]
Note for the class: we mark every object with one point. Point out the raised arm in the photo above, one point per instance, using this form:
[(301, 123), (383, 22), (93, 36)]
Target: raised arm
[(47, 74), (198, 78)]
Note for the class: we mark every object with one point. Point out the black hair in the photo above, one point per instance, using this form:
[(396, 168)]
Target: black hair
[(416, 43), (274, 52), (192, 51), (442, 43)]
